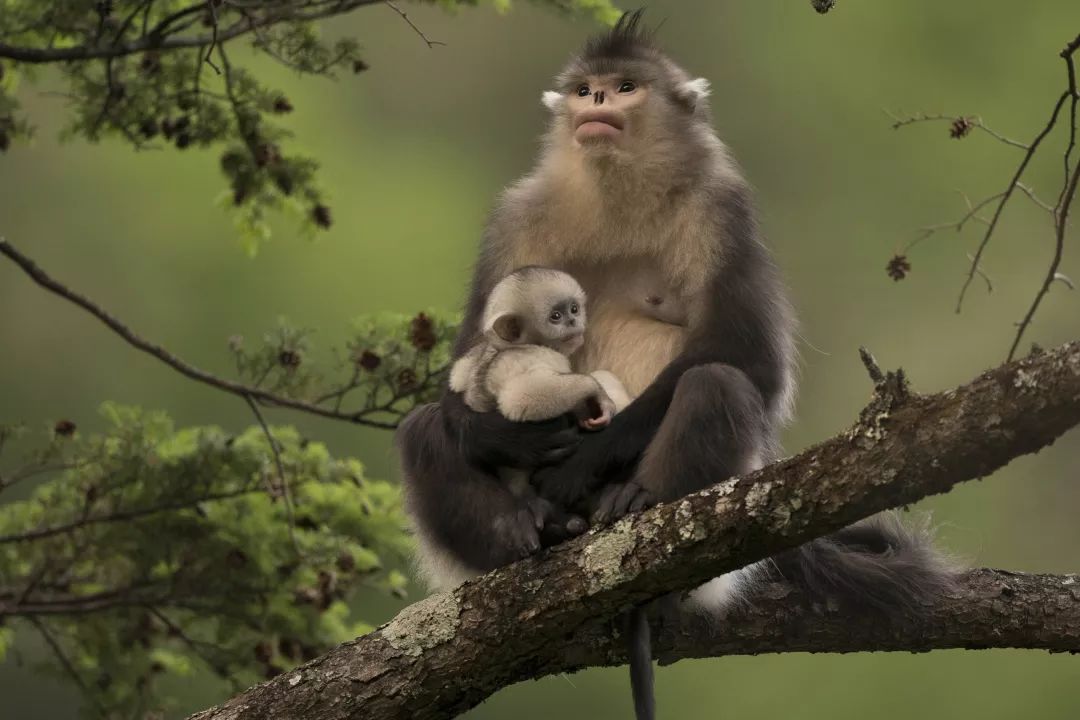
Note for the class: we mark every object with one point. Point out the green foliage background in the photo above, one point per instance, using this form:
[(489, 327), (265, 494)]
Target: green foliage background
[(412, 154)]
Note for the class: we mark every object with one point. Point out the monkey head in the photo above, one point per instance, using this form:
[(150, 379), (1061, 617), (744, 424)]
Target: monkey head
[(536, 306), (621, 94)]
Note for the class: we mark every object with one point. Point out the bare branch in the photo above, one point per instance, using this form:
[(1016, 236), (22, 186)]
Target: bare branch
[(975, 121), (1059, 250), (447, 653), (961, 126), (405, 17), (1065, 200), (1012, 186), (982, 274), (286, 494), (44, 280), (958, 225), (870, 363)]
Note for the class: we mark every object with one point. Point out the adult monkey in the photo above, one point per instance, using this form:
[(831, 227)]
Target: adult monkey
[(635, 196)]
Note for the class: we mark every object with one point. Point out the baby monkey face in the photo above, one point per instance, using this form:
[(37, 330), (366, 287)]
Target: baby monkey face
[(563, 325), (537, 306)]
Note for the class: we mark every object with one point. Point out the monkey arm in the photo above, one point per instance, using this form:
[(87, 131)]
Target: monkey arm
[(543, 394), (489, 440), (617, 448), (614, 388)]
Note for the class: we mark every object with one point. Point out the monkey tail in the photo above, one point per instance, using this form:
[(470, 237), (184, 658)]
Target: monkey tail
[(879, 563), (639, 648)]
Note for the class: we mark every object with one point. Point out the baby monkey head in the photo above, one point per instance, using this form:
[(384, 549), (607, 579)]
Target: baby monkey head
[(536, 306), (622, 94)]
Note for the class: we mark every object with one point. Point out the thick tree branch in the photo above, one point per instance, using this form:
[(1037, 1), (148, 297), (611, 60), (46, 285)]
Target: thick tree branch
[(988, 609), (447, 653)]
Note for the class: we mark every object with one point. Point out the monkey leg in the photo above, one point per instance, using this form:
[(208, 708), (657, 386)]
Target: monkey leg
[(552, 522), (463, 512), (467, 520), (715, 427)]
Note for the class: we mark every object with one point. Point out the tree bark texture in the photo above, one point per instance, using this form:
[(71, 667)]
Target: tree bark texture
[(553, 612)]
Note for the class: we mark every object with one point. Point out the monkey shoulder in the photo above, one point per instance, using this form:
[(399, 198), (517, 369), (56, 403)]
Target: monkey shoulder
[(463, 371), (523, 361), (469, 376)]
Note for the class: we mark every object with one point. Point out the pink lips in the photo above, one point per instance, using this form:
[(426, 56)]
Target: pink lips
[(597, 124)]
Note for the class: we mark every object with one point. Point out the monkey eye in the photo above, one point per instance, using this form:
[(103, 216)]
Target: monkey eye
[(555, 316), (583, 91), (627, 86), (573, 309)]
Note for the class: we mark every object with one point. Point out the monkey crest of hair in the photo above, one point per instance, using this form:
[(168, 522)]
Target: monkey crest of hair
[(629, 38)]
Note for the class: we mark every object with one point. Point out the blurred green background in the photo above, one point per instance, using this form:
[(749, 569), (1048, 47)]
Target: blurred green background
[(413, 153)]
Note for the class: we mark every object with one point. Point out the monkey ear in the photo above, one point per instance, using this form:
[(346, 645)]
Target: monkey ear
[(552, 100), (694, 92), (507, 328)]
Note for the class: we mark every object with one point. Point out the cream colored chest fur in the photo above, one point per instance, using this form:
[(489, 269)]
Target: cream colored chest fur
[(644, 273)]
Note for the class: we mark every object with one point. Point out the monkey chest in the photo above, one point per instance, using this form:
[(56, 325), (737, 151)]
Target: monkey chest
[(637, 321)]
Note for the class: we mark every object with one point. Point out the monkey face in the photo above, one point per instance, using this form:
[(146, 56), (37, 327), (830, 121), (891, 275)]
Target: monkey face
[(602, 107), (536, 306), (625, 104), (563, 325)]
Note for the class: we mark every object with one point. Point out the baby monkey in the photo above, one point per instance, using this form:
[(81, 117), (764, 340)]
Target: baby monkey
[(533, 322)]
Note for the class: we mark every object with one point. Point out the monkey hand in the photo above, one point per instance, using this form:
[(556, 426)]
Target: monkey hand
[(562, 526), (490, 440), (514, 529), (601, 410), (569, 483), (618, 499)]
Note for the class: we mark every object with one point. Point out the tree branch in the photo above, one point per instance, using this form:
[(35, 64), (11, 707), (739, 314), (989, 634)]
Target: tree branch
[(156, 40), (988, 609), (961, 126), (447, 653), (244, 391)]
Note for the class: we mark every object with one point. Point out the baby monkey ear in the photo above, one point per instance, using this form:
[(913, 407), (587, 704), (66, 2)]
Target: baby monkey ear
[(507, 327), (552, 100), (694, 92)]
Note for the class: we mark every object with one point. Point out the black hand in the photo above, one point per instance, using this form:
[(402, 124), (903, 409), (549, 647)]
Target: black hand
[(597, 456), (490, 440), (618, 499), (560, 526), (516, 531)]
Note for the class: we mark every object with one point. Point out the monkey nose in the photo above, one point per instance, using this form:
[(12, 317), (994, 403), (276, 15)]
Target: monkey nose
[(598, 97)]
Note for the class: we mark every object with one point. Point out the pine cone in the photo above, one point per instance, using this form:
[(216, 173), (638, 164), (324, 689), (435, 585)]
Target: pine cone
[(898, 267), (321, 215), (406, 379), (289, 359), (369, 361), (960, 127), (64, 428), (422, 333)]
